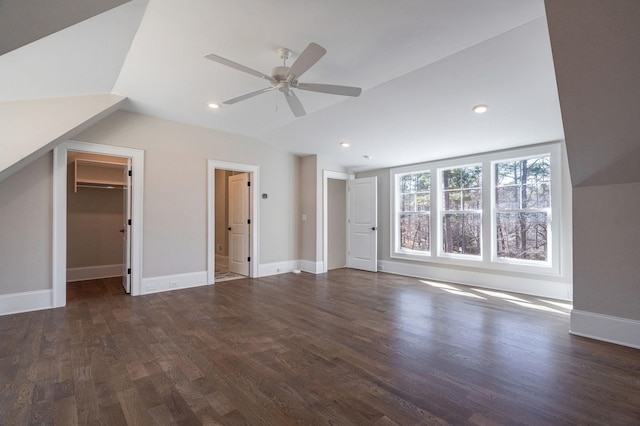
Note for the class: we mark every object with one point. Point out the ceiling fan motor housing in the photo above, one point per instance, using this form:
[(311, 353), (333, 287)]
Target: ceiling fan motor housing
[(280, 75)]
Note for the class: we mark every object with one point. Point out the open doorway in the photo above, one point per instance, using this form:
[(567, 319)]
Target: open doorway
[(336, 224), (233, 224), (131, 236), (334, 216), (233, 221), (98, 212)]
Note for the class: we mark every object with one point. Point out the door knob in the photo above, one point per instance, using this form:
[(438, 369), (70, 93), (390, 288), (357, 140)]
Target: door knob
[(123, 230), (373, 228), (229, 228)]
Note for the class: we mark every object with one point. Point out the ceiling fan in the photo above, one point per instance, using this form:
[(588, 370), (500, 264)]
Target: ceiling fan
[(285, 79)]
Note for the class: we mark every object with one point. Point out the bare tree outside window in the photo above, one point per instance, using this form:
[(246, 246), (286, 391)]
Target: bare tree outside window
[(462, 210), (414, 211), (523, 204)]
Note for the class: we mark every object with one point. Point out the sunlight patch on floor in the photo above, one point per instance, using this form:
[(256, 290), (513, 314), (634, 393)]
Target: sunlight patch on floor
[(532, 305), (451, 289), (499, 295), (564, 305), (558, 307)]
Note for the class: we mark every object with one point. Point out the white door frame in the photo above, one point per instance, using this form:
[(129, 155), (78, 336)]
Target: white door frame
[(254, 245), (60, 212), (326, 175)]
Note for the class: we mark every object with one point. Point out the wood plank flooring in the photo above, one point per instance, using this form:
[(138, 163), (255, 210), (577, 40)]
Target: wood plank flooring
[(342, 348)]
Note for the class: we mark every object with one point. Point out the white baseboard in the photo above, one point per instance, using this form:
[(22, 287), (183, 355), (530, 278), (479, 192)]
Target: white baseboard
[(511, 283), (93, 272), (173, 282), (26, 302), (311, 266), (276, 268), (620, 331), (266, 269)]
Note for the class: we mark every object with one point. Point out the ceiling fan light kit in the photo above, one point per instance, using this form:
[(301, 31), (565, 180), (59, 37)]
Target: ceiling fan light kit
[(284, 79)]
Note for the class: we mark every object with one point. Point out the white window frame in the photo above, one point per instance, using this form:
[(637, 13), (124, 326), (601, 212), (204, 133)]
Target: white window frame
[(440, 212), (488, 258), (395, 218)]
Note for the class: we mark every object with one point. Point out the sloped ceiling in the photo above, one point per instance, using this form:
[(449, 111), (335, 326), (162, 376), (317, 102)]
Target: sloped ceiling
[(32, 128), (85, 58), (44, 17), (422, 64), (597, 60)]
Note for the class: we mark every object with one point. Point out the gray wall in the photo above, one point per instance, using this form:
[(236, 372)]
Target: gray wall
[(606, 246), (308, 207), (597, 60), (25, 228), (175, 200)]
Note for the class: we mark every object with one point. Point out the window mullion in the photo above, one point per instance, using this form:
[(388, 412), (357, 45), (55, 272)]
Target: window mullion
[(488, 193)]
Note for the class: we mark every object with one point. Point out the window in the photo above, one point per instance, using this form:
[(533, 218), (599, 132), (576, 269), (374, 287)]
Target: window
[(522, 208), (461, 210), (414, 212), (496, 210)]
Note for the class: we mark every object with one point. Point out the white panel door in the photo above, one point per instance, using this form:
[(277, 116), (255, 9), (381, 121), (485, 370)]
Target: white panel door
[(126, 229), (239, 223), (362, 204)]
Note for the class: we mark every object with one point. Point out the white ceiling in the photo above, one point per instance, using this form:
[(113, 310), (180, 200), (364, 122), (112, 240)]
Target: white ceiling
[(422, 65)]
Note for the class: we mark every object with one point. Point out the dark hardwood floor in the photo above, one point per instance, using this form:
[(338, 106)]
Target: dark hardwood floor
[(347, 347)]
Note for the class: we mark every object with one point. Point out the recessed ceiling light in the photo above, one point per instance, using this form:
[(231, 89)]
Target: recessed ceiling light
[(345, 144), (213, 105), (480, 109), (367, 157)]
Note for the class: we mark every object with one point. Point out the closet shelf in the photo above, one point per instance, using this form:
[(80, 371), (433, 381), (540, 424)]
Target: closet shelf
[(99, 174)]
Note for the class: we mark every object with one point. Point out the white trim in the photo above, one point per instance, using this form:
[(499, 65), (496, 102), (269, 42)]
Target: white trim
[(59, 257), (94, 272), (312, 267), (27, 301), (621, 331), (326, 175), (173, 282), (254, 249), (277, 268), (485, 279)]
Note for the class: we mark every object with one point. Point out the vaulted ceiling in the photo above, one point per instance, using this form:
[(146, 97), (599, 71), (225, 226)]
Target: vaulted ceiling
[(422, 65)]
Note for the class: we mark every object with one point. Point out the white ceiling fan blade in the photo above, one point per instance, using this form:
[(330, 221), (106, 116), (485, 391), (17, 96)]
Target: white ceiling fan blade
[(309, 56), (294, 104), (248, 95), (237, 66), (330, 88)]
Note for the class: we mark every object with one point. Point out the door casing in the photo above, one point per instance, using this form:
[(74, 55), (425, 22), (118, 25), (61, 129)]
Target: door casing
[(59, 237), (254, 172)]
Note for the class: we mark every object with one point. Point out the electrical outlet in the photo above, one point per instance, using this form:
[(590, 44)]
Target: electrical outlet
[(173, 284)]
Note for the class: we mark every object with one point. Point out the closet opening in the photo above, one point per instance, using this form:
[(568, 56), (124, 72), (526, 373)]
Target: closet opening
[(98, 255)]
